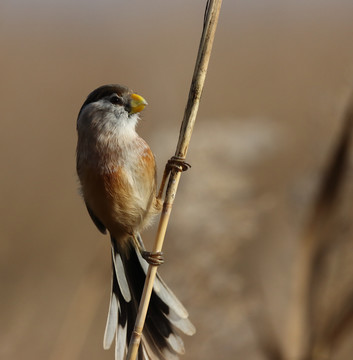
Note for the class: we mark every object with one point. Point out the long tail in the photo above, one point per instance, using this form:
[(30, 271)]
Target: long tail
[(166, 317)]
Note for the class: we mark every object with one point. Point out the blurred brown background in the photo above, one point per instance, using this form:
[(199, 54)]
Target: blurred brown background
[(278, 81)]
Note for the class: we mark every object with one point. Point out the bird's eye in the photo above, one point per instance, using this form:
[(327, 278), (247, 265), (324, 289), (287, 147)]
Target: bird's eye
[(116, 100)]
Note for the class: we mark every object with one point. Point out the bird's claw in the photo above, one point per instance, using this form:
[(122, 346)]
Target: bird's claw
[(153, 258), (178, 163)]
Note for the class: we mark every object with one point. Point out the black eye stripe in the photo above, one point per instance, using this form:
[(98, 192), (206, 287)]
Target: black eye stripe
[(105, 92), (116, 100)]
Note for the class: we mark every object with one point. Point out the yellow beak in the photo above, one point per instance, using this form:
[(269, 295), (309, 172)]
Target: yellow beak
[(137, 103)]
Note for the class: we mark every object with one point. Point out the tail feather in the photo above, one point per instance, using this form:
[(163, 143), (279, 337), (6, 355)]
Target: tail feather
[(176, 343), (185, 326), (163, 291), (150, 351), (120, 274), (120, 341), (112, 320), (166, 316)]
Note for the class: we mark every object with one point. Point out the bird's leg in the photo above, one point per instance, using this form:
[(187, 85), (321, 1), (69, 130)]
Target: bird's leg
[(163, 182), (177, 163), (153, 258)]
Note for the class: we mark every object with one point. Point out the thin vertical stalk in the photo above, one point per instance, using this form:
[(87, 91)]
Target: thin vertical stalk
[(211, 19)]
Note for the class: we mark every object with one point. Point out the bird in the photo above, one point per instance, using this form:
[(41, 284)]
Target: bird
[(117, 174)]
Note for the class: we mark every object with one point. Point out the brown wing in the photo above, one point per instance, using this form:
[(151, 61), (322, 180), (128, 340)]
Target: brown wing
[(96, 221)]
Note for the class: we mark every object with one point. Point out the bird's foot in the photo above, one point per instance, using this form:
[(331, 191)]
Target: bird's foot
[(178, 163), (153, 258)]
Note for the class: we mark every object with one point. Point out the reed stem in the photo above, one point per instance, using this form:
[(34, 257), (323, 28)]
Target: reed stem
[(209, 28)]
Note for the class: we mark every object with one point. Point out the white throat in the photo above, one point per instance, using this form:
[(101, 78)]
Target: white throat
[(105, 137)]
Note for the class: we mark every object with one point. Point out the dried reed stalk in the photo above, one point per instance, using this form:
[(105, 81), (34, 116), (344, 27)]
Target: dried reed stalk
[(209, 28), (305, 340), (313, 246)]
